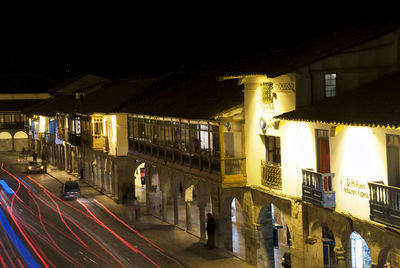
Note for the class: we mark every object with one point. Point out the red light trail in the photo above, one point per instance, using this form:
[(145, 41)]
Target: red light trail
[(29, 231)]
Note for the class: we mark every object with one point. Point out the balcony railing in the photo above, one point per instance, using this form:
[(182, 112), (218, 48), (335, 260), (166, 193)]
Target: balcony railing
[(317, 188), (233, 166), (271, 175), (384, 204)]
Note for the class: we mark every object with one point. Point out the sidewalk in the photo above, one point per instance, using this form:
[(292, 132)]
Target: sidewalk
[(178, 243)]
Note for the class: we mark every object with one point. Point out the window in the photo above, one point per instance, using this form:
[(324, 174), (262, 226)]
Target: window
[(273, 149), (330, 85), (393, 162), (266, 96)]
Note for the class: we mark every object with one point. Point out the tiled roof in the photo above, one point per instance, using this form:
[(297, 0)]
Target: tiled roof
[(275, 63), (375, 105), (108, 97), (199, 98)]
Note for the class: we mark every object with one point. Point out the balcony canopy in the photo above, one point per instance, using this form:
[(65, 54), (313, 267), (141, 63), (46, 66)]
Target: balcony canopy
[(373, 105)]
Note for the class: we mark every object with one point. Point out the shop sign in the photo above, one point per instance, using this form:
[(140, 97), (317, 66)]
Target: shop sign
[(355, 187)]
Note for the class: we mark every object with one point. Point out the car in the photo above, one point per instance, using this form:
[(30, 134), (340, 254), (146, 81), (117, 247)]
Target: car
[(34, 167), (70, 189)]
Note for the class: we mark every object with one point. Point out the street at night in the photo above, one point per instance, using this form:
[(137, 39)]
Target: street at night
[(275, 146), (41, 230)]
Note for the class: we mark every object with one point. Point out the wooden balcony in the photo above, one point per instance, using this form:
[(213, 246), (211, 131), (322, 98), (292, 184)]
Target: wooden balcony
[(271, 175), (74, 139), (317, 188), (384, 204), (233, 171)]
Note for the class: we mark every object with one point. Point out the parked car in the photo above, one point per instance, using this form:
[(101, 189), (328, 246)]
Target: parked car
[(70, 189), (34, 167)]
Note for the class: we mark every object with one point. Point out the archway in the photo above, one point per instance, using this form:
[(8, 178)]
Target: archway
[(181, 206), (393, 257), (5, 142), (360, 255), (273, 237), (140, 183), (155, 194), (328, 245), (238, 240), (192, 210), (20, 141)]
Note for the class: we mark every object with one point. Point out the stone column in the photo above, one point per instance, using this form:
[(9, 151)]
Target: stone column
[(202, 217), (164, 195), (188, 217), (340, 257), (176, 210)]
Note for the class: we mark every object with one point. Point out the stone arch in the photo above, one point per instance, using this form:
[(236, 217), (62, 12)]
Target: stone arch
[(139, 178), (273, 235), (231, 228), (6, 141), (20, 141), (360, 254)]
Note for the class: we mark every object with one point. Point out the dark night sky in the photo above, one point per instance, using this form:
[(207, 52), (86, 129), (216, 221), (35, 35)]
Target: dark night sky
[(138, 47)]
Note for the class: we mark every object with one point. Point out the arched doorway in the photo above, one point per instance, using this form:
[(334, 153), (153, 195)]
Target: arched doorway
[(360, 255), (238, 240), (273, 237), (192, 210), (5, 142), (328, 245), (140, 183), (20, 141)]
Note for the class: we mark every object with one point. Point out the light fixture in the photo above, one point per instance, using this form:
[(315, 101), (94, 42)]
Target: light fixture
[(263, 124)]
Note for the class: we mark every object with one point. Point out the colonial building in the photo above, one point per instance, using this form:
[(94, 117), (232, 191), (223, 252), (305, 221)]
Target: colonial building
[(321, 152), (17, 92), (294, 150)]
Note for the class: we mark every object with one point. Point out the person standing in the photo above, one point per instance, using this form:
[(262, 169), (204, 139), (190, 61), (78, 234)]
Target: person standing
[(210, 231)]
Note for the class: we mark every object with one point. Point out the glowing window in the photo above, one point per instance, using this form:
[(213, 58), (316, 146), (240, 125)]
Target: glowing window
[(330, 85)]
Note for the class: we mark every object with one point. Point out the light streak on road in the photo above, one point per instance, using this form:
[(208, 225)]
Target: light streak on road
[(41, 234), (29, 260), (126, 225)]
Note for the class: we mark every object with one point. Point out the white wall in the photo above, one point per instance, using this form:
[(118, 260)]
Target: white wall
[(284, 88), (117, 132)]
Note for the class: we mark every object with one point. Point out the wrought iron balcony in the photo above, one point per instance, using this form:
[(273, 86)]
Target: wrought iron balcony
[(384, 204), (271, 175), (317, 188)]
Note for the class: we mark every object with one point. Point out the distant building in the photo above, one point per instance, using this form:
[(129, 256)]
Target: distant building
[(16, 93)]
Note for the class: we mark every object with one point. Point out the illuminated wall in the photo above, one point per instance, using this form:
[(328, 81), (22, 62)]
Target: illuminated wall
[(115, 128), (358, 156), (283, 93)]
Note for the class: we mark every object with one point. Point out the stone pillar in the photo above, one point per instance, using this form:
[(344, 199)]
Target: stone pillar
[(188, 216), (202, 217), (102, 175), (176, 210), (124, 172), (164, 205), (340, 257)]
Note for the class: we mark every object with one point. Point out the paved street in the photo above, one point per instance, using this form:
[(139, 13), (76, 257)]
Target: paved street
[(41, 230)]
